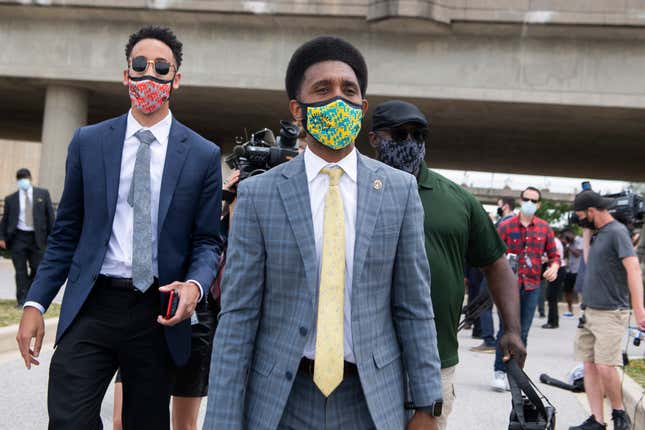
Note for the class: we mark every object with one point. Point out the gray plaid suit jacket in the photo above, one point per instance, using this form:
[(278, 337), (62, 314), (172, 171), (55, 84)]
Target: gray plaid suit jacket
[(269, 296)]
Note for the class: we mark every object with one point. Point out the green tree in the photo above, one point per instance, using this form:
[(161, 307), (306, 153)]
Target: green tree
[(555, 213)]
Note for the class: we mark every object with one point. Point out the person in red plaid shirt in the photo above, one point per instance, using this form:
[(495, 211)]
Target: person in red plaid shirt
[(529, 238)]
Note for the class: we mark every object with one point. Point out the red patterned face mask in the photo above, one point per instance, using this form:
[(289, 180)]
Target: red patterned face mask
[(148, 93)]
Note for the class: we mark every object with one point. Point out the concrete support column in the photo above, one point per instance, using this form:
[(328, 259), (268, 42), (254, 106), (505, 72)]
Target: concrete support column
[(65, 111)]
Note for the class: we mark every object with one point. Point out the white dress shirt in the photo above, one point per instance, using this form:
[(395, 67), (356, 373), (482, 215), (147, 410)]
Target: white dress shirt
[(118, 259), (22, 194), (318, 186)]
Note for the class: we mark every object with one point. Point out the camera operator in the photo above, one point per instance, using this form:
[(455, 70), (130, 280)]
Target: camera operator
[(612, 275)]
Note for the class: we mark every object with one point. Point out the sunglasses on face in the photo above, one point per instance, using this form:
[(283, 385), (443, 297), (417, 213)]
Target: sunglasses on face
[(140, 65), (525, 199), (400, 134)]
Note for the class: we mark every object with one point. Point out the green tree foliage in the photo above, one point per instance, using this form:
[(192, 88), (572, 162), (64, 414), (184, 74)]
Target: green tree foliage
[(555, 213)]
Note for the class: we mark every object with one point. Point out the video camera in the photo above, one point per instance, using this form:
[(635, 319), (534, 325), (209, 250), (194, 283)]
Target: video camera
[(263, 151), (627, 208)]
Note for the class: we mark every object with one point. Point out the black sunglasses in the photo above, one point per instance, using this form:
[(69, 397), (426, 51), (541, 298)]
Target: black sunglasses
[(525, 199), (400, 134), (140, 65)]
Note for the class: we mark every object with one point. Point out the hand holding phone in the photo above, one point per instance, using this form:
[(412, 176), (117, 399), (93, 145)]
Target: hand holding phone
[(170, 304), (178, 303)]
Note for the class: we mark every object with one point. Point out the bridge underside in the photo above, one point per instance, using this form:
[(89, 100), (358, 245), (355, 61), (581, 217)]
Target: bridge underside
[(530, 138)]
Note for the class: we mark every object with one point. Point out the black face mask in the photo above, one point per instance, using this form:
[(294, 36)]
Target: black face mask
[(500, 212), (585, 223)]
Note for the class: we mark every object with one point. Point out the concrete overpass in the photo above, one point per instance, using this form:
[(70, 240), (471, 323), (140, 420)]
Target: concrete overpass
[(490, 196), (549, 87)]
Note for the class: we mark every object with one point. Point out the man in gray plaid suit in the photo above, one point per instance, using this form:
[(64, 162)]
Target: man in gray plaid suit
[(326, 318)]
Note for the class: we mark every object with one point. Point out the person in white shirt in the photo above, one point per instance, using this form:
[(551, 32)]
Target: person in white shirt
[(137, 221), (27, 220)]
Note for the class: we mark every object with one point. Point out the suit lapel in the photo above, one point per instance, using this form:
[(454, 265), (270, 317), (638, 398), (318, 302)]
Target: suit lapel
[(175, 157), (294, 192), (112, 146), (370, 195)]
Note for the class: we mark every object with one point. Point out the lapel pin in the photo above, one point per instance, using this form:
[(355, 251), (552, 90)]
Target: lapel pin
[(377, 184)]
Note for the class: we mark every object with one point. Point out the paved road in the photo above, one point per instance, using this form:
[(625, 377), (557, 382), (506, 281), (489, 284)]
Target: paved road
[(23, 393)]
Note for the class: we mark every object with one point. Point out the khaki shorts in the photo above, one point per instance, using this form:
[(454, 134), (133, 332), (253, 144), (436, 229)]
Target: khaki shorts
[(600, 341), (448, 382)]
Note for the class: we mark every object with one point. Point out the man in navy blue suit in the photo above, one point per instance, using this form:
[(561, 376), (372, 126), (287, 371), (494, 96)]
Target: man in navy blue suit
[(139, 217)]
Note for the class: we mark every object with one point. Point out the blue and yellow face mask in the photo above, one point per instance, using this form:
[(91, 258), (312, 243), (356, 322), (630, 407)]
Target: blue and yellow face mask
[(334, 123)]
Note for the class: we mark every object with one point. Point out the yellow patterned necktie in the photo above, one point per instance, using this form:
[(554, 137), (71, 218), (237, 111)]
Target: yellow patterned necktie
[(329, 365)]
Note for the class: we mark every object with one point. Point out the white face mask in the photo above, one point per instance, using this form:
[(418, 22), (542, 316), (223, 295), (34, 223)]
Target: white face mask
[(529, 208), (24, 184)]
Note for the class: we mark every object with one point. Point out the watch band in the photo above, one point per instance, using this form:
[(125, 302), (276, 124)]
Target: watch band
[(434, 410)]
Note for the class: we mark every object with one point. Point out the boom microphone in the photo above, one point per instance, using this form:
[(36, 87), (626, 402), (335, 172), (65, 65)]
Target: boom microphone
[(546, 379)]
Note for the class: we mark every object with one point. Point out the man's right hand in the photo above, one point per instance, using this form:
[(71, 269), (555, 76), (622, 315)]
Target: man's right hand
[(639, 314), (3, 244), (512, 347), (32, 325)]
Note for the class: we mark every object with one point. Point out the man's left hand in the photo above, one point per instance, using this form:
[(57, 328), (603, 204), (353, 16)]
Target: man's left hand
[(188, 297), (512, 346), (422, 421), (551, 274)]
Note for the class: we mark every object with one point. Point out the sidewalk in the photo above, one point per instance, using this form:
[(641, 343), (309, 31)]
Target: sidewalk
[(550, 351), (476, 407), (24, 393)]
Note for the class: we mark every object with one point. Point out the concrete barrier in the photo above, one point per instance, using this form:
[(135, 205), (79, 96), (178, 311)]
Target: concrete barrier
[(633, 401), (8, 335)]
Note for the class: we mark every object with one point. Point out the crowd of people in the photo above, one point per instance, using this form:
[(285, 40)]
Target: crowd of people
[(325, 293)]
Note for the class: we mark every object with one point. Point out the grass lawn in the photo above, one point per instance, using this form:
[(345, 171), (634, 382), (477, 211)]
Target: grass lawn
[(636, 370), (9, 314)]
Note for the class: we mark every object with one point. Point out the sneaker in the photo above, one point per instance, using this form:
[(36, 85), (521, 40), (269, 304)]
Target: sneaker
[(500, 383), (541, 315), (568, 315), (621, 420), (590, 424), (549, 326), (484, 348)]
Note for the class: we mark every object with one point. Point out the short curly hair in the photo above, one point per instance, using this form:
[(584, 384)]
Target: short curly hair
[(324, 48), (163, 34)]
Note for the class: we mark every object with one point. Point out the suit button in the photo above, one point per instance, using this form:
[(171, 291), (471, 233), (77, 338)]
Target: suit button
[(289, 376), (303, 331)]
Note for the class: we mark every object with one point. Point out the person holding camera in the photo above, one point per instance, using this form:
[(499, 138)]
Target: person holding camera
[(612, 277)]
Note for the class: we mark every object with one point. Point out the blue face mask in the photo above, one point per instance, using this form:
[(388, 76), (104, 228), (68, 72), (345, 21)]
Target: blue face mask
[(529, 208), (405, 155), (24, 184)]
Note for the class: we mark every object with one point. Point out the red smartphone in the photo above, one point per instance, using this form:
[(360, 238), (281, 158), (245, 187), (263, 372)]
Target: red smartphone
[(170, 308)]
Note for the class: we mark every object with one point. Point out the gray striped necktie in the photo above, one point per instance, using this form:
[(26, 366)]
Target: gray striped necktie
[(29, 210), (139, 199)]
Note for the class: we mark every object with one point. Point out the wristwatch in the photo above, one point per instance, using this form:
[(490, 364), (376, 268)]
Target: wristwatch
[(434, 409)]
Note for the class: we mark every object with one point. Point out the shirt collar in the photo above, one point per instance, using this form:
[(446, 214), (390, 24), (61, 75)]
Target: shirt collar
[(313, 164), (425, 179), (517, 219), (160, 130)]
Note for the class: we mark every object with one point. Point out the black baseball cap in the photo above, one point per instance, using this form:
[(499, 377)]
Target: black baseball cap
[(394, 113), (591, 199)]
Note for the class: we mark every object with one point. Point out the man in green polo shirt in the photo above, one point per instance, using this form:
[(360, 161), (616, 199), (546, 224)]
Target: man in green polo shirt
[(457, 230)]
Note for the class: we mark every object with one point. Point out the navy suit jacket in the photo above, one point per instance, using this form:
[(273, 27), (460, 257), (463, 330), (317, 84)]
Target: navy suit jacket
[(188, 224)]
